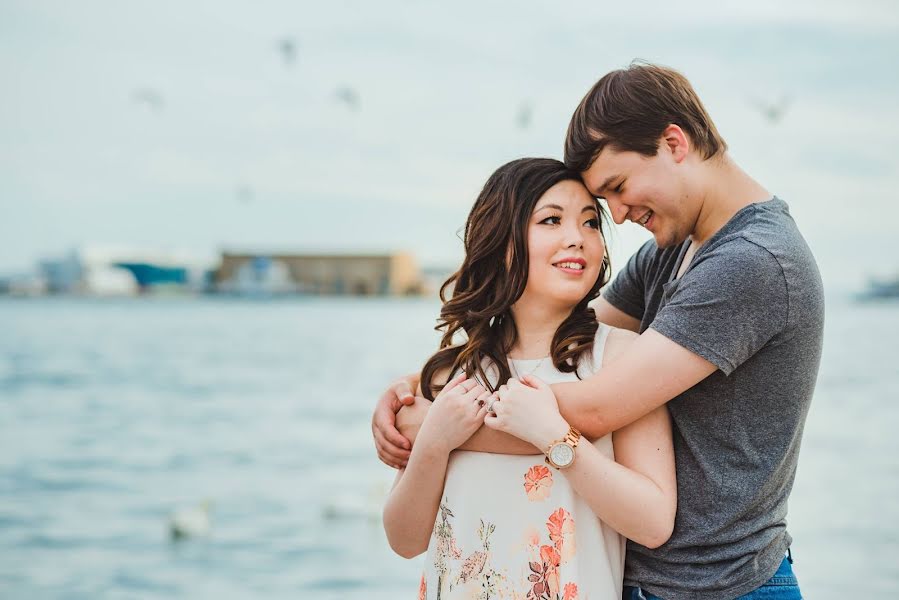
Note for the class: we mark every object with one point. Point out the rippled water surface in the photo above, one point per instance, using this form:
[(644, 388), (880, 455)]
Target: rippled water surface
[(115, 413)]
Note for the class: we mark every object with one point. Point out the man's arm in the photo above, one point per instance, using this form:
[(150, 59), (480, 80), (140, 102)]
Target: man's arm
[(647, 374), (652, 371), (730, 303), (614, 317)]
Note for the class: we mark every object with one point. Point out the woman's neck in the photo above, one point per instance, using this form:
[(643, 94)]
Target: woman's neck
[(536, 324)]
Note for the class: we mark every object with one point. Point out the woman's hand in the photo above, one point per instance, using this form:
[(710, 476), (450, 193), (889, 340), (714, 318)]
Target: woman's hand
[(457, 412), (528, 410)]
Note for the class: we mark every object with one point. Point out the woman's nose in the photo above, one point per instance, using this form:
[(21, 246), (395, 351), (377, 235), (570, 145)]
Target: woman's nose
[(574, 237)]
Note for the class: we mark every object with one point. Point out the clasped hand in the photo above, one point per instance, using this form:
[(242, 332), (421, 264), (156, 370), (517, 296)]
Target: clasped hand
[(528, 410), (458, 411)]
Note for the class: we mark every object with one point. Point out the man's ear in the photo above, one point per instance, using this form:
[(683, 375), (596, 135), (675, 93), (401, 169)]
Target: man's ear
[(676, 141)]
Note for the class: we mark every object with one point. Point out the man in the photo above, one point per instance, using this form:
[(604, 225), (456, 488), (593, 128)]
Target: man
[(729, 303)]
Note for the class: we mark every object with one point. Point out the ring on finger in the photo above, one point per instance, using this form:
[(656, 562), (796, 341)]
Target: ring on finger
[(469, 384)]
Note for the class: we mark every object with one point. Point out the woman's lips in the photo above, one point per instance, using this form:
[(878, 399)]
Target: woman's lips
[(573, 267)]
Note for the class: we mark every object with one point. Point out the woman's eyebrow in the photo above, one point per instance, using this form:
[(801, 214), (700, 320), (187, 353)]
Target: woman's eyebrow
[(552, 206)]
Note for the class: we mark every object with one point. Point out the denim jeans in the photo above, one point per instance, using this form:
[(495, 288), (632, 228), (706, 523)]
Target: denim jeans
[(782, 586)]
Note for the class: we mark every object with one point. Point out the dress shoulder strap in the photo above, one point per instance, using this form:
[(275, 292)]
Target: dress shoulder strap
[(599, 346)]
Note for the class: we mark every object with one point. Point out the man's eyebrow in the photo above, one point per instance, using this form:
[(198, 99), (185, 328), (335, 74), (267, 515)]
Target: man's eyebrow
[(601, 189)]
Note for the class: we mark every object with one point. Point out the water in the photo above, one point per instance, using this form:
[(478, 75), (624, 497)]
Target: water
[(114, 413)]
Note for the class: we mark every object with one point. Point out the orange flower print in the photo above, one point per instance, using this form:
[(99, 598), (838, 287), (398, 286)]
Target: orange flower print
[(570, 592), (473, 566), (423, 588), (537, 483), (550, 556), (561, 533), (447, 547), (544, 577)]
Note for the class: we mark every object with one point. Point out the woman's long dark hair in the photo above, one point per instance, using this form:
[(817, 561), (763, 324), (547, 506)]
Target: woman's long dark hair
[(485, 288)]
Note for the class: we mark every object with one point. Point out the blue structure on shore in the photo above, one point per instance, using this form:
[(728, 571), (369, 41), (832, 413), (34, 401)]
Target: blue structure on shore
[(149, 275)]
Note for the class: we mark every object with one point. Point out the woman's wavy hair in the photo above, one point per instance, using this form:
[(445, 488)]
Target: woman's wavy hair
[(493, 277)]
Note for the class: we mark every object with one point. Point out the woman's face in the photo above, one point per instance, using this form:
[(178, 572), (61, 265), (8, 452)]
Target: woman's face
[(565, 246)]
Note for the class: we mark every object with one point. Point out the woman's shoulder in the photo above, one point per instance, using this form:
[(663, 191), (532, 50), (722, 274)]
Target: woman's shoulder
[(441, 376), (617, 342)]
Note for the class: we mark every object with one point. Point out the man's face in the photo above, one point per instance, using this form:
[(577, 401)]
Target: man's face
[(647, 190)]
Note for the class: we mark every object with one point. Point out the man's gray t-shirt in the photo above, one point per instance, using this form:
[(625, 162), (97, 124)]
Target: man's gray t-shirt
[(752, 304)]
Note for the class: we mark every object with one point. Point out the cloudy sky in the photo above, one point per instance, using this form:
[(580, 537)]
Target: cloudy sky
[(181, 124)]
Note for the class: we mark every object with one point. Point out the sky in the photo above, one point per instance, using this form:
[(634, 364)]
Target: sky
[(241, 149)]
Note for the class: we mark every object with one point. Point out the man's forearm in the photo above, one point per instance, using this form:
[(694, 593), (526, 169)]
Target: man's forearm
[(652, 371)]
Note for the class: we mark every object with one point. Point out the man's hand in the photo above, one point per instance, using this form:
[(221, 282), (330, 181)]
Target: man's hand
[(410, 418), (393, 448)]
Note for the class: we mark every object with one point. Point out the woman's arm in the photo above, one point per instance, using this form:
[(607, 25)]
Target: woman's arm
[(412, 505), (636, 493)]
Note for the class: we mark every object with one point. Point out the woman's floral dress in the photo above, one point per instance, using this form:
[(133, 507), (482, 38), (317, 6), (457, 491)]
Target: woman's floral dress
[(511, 527)]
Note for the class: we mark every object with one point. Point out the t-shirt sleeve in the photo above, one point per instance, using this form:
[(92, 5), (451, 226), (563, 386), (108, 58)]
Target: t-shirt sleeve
[(727, 306), (627, 292)]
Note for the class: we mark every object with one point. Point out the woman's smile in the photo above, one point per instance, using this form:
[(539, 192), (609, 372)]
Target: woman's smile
[(572, 266)]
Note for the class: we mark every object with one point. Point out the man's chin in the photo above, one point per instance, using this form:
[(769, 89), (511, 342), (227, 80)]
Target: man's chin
[(667, 240)]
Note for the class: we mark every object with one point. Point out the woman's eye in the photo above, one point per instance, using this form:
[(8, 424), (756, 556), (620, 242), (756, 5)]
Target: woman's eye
[(592, 223), (551, 220)]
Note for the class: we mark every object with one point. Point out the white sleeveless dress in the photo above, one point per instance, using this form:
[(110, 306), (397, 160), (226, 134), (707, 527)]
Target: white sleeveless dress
[(511, 527)]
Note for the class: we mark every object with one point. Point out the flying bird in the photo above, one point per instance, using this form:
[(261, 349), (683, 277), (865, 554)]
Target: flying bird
[(244, 194), (150, 97), (773, 111), (288, 48), (349, 97), (525, 114)]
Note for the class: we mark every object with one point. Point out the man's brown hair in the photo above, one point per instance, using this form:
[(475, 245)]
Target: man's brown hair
[(630, 108)]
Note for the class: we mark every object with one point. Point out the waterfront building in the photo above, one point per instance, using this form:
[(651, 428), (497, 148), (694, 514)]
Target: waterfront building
[(319, 273)]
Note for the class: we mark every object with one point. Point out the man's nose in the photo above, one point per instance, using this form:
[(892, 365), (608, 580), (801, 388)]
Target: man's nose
[(618, 210)]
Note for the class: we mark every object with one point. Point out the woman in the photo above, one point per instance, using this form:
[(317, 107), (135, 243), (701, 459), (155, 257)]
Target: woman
[(519, 526)]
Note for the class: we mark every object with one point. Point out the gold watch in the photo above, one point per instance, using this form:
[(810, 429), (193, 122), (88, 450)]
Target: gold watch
[(560, 453)]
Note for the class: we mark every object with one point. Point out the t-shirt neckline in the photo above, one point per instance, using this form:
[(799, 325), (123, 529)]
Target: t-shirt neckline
[(686, 243)]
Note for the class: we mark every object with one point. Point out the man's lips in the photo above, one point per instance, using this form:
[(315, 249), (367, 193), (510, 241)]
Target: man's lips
[(644, 220)]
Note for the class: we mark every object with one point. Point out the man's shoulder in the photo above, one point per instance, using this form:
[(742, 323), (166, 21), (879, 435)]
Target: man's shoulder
[(767, 238), (769, 226)]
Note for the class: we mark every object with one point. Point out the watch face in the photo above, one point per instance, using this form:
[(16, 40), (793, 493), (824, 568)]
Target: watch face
[(562, 455)]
